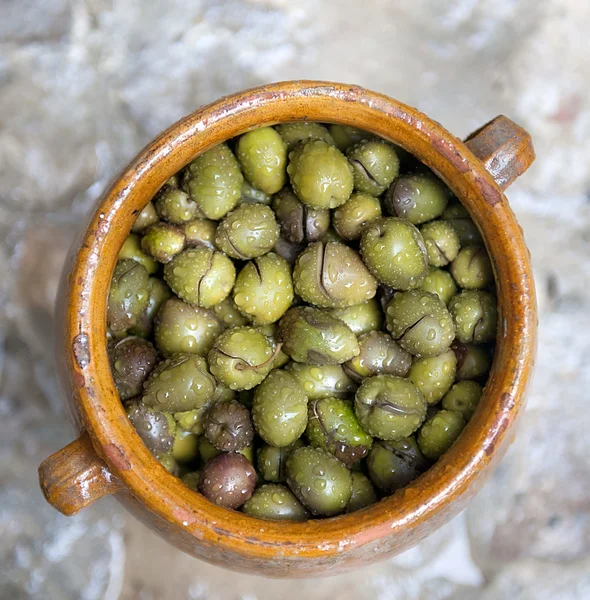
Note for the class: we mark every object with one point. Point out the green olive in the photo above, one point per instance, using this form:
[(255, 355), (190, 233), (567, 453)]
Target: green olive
[(185, 448), (363, 493), (472, 268), (229, 314), (440, 432), (131, 248), (441, 283), (301, 131), (275, 502), (148, 216), (199, 232), (473, 362), (475, 315), (456, 214), (175, 206), (159, 292), (355, 214), (434, 375), (128, 295), (442, 242), (324, 381), (163, 241), (375, 165), (463, 397), (272, 461), (345, 136)]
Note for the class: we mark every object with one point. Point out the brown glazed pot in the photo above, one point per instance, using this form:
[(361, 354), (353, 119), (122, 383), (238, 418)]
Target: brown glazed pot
[(109, 457)]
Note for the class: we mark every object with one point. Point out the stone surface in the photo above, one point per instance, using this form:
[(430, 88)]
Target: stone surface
[(85, 84)]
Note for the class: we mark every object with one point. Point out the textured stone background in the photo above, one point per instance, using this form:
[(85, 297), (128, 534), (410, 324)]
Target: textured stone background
[(85, 83)]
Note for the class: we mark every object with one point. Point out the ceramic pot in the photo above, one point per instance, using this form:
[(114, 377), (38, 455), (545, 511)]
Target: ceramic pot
[(109, 457)]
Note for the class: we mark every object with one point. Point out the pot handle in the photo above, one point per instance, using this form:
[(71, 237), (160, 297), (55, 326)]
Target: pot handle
[(505, 149), (74, 477)]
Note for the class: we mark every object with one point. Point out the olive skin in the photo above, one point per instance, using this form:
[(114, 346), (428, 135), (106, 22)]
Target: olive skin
[(148, 216), (345, 136), (179, 383), (441, 283), (456, 214), (472, 269), (442, 242), (253, 196), (169, 463), (272, 461), (363, 493), (301, 131), (262, 154), (440, 432), (191, 480), (394, 252), (475, 315), (131, 248), (158, 292), (310, 335), (333, 426), (434, 375), (229, 314), (201, 276), (228, 426), (270, 332), (132, 360), (332, 275), (279, 409), (393, 465), (389, 407), (473, 362), (128, 295), (417, 197), (299, 223), (375, 165), (320, 175), (379, 354), (324, 381), (163, 241), (214, 181), (463, 397), (361, 318), (228, 480), (175, 206), (288, 250), (199, 232), (320, 481), (155, 428), (420, 322), (241, 358), (274, 502), (264, 289), (185, 449), (355, 214), (180, 327), (249, 231)]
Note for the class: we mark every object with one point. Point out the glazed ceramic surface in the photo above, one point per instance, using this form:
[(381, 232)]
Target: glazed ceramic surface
[(109, 457)]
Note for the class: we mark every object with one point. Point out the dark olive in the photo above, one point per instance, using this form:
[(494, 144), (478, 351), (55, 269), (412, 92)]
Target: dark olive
[(228, 480)]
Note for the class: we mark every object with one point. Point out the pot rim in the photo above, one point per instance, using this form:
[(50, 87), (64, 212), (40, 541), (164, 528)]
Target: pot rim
[(481, 443)]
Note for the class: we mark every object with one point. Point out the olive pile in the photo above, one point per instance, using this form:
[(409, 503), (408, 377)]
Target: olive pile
[(301, 321)]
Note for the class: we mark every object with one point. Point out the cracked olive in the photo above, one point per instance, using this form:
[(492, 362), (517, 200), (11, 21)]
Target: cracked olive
[(262, 154), (313, 336), (128, 295), (264, 289), (194, 420), (201, 276), (272, 461), (379, 354), (375, 166), (389, 407), (363, 493), (472, 268), (441, 283), (132, 360), (180, 327), (159, 292), (229, 314), (417, 197), (355, 214), (361, 318), (434, 375), (214, 182), (473, 362), (274, 502), (228, 480), (179, 383), (332, 275), (287, 250), (228, 426), (279, 409), (241, 358), (174, 205), (393, 465), (331, 236), (191, 480), (345, 136), (442, 242), (249, 231), (456, 214), (463, 397), (319, 480), (131, 248), (475, 315), (395, 253), (420, 322), (251, 195), (185, 447), (199, 232), (324, 381), (163, 241), (320, 175), (301, 131), (299, 223), (270, 332), (332, 425), (148, 216), (155, 428), (440, 432)]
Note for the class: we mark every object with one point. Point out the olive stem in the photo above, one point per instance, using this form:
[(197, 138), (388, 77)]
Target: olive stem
[(247, 367)]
